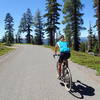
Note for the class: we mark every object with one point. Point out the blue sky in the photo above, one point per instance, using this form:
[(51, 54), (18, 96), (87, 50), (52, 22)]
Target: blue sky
[(18, 7)]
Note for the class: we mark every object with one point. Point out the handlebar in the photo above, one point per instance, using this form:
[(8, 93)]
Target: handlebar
[(56, 55)]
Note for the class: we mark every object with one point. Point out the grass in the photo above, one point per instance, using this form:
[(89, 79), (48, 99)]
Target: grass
[(23, 43), (4, 49), (85, 59), (51, 47)]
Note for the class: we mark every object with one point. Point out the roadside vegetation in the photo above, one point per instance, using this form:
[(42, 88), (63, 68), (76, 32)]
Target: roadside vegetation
[(47, 24), (23, 44), (84, 59), (4, 49)]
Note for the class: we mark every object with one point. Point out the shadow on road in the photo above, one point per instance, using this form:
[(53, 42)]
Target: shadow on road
[(79, 90)]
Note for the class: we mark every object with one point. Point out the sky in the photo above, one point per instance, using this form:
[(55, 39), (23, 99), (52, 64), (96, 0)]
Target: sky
[(18, 7)]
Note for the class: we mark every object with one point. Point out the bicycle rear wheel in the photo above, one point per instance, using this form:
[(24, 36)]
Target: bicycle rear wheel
[(67, 78)]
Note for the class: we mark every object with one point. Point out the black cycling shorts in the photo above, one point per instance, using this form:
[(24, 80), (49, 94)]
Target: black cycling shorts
[(64, 56)]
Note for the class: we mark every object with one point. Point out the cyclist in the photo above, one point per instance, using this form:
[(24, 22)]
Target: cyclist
[(63, 45)]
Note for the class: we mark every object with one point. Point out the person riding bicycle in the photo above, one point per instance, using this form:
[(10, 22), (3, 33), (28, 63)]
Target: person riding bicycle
[(63, 46)]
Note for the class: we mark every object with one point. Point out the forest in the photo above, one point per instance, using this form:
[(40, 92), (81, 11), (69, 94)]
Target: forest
[(48, 25)]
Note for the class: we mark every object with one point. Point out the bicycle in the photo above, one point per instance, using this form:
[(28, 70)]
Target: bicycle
[(66, 76)]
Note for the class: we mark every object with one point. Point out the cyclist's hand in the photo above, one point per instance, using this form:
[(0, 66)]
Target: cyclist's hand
[(54, 55)]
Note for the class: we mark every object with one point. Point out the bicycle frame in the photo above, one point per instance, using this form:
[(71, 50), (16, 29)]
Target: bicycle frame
[(66, 74)]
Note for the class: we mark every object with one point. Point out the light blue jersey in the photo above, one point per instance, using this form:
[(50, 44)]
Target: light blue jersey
[(63, 46)]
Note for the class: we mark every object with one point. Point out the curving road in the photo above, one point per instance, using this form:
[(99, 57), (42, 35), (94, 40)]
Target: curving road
[(29, 73)]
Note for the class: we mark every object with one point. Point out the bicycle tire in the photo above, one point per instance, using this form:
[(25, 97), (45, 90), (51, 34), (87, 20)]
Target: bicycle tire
[(67, 78)]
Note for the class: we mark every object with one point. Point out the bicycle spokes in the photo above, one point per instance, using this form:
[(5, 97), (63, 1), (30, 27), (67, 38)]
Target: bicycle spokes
[(67, 78)]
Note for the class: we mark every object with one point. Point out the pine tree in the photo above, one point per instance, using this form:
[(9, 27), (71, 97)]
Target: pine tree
[(9, 23), (68, 34), (97, 8), (38, 23), (52, 15), (22, 26), (4, 39), (18, 37), (95, 44), (83, 47), (26, 24), (90, 39), (29, 23), (73, 18)]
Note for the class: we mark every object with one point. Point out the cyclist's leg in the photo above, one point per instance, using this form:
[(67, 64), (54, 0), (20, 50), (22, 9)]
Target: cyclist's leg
[(67, 62), (60, 64), (66, 57), (59, 69)]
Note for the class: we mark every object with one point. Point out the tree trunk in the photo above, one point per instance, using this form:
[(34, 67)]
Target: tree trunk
[(98, 23), (75, 28), (51, 38), (28, 35)]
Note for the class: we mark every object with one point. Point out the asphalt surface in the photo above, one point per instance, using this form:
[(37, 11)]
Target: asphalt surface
[(29, 73)]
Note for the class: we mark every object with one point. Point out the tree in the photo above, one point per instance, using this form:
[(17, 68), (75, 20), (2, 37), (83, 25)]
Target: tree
[(52, 15), (18, 37), (68, 34), (22, 26), (97, 8), (95, 44), (83, 47), (38, 23), (9, 34), (4, 39), (73, 20), (26, 24), (90, 39)]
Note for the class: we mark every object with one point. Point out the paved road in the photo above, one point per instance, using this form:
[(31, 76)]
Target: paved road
[(29, 73)]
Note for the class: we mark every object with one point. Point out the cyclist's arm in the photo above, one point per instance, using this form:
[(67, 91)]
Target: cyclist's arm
[(69, 44), (56, 48)]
